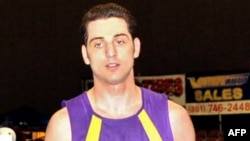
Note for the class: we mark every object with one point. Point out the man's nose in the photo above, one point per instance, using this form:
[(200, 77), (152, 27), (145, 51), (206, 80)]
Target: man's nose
[(111, 50)]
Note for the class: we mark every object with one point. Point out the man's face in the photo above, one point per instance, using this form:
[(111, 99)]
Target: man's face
[(110, 50)]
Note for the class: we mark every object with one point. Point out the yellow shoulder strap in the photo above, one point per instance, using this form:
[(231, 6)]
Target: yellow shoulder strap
[(94, 129), (149, 127)]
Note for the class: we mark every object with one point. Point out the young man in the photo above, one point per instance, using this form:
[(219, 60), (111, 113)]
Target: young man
[(115, 109)]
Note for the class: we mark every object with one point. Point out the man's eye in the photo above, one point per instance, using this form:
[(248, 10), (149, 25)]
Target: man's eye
[(98, 45), (120, 42)]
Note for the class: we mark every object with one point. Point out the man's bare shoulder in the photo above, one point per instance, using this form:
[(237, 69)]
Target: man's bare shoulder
[(181, 122), (176, 109), (61, 116), (59, 126)]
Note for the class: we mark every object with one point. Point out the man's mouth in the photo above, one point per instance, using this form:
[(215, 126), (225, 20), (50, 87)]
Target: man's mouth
[(112, 66)]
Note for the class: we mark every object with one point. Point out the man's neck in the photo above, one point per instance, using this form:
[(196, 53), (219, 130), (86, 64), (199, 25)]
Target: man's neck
[(116, 101)]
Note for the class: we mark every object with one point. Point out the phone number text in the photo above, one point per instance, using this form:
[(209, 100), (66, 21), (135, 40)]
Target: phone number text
[(231, 107)]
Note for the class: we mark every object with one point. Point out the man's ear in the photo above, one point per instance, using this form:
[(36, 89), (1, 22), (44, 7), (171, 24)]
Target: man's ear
[(85, 55), (137, 45)]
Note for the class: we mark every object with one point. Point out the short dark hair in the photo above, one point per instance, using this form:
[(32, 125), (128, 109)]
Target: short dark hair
[(107, 11)]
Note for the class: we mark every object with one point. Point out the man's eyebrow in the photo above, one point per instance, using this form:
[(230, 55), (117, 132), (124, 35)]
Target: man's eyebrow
[(95, 38), (121, 34), (116, 35)]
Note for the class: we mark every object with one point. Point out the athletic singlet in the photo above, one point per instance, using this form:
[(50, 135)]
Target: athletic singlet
[(150, 123)]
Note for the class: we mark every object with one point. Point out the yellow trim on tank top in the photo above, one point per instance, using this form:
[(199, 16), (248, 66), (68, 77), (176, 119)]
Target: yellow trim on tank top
[(149, 127)]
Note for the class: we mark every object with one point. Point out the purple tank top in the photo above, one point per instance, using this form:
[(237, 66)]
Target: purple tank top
[(126, 129)]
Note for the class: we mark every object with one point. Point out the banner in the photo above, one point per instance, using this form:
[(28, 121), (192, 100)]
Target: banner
[(218, 93), (172, 85)]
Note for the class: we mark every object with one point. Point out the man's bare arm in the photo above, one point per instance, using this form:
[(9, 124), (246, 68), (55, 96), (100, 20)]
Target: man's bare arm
[(58, 128), (181, 123)]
